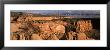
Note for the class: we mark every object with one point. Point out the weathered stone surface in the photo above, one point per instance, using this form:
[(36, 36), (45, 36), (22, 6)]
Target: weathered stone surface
[(71, 35), (53, 37), (90, 38), (51, 30), (84, 25), (36, 37), (22, 36), (82, 36), (44, 36), (14, 27), (45, 28), (14, 36), (60, 29)]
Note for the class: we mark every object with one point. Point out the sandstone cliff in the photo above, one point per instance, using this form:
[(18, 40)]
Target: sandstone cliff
[(27, 28)]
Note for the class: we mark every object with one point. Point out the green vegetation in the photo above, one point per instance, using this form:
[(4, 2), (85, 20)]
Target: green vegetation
[(70, 28), (71, 20), (41, 21)]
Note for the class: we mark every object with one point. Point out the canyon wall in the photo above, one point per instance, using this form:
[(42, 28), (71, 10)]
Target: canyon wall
[(84, 25), (54, 30)]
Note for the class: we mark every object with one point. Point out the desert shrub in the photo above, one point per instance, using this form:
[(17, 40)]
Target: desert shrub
[(36, 30), (70, 20), (70, 28)]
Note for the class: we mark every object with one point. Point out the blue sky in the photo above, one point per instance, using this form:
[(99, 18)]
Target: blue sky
[(55, 11), (63, 12)]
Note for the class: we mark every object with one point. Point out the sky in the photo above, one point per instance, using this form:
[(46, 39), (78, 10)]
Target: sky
[(63, 12), (54, 11)]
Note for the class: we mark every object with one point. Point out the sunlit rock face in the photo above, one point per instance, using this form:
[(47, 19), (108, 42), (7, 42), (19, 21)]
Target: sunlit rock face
[(82, 36), (51, 30), (84, 25), (36, 37)]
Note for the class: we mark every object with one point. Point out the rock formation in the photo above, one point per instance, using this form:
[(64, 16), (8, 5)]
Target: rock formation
[(84, 25), (36, 37), (27, 28)]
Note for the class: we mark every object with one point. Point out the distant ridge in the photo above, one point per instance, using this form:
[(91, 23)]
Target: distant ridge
[(64, 13)]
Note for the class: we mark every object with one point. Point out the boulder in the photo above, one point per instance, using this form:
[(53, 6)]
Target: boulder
[(71, 35), (84, 25), (53, 37), (36, 37), (60, 29), (82, 36), (14, 36), (22, 36)]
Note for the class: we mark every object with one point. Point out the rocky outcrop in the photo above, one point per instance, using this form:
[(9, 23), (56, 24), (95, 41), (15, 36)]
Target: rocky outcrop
[(36, 37), (82, 36), (53, 37), (28, 29), (22, 36), (71, 35), (14, 36), (15, 27), (51, 28), (84, 25)]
